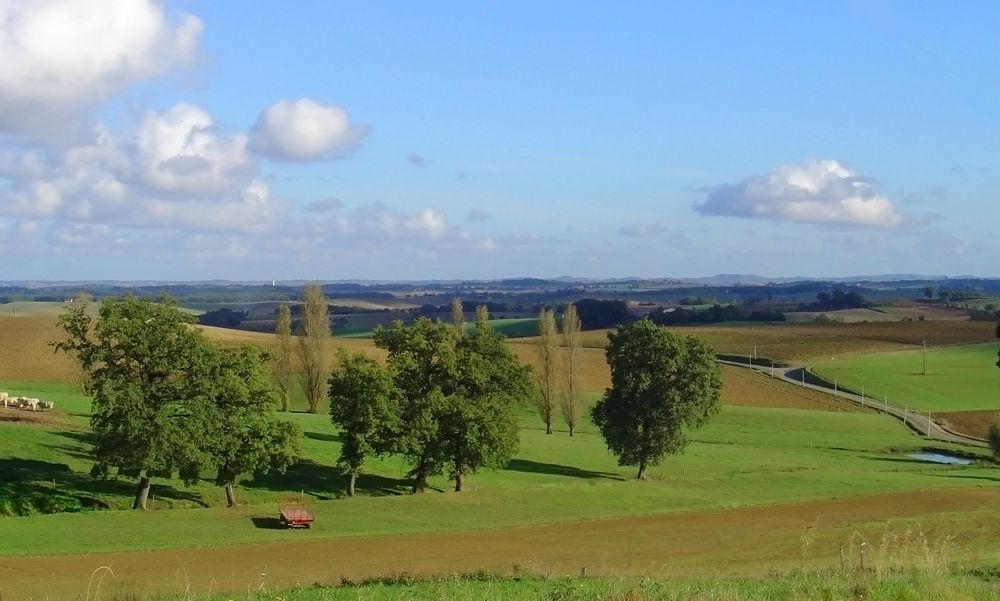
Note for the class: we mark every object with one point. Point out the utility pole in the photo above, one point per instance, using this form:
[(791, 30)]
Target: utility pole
[(835, 393), (886, 399)]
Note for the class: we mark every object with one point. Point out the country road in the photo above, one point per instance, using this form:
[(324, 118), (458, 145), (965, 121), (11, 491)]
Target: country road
[(799, 375)]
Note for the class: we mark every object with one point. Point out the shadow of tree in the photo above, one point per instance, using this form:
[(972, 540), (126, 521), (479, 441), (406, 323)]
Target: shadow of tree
[(33, 486), (324, 437), (535, 467), (327, 482)]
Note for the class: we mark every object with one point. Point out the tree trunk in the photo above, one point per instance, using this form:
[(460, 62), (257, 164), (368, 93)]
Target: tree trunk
[(571, 429), (230, 496), (419, 482), (642, 471), (420, 478), (142, 493), (350, 484), (459, 480), (548, 427)]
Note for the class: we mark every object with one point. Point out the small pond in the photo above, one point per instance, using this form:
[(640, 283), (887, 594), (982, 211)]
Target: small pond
[(940, 458)]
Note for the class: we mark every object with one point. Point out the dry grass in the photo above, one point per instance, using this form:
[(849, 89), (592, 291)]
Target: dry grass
[(751, 389)]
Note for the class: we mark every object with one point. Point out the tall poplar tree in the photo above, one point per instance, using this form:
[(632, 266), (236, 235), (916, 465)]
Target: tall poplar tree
[(547, 367), (571, 340), (458, 316), (313, 341), (283, 359)]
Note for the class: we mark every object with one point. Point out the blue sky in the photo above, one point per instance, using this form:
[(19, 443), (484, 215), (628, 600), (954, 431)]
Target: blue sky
[(194, 140)]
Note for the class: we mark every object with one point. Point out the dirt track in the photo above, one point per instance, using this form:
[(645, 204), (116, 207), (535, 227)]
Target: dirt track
[(703, 542)]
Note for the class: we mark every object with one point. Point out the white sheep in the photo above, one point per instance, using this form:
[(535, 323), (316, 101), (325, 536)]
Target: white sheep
[(45, 405), (28, 404)]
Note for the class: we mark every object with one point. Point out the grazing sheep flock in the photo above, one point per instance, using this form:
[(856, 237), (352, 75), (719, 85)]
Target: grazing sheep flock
[(25, 403)]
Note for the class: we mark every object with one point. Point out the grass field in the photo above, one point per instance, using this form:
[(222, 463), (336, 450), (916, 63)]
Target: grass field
[(730, 463), (958, 379)]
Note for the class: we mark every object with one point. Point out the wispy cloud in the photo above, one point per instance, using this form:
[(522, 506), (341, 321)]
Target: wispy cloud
[(648, 230)]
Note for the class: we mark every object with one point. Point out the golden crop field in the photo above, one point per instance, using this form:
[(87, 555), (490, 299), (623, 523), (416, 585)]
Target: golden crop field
[(26, 353)]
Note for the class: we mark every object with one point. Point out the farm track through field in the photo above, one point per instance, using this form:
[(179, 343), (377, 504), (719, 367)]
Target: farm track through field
[(734, 541), (921, 423)]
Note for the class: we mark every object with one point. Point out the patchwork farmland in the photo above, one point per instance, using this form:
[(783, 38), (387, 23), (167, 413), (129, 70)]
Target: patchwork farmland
[(782, 479)]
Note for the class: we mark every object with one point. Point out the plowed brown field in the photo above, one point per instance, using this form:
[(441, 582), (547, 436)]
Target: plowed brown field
[(708, 543), (973, 423)]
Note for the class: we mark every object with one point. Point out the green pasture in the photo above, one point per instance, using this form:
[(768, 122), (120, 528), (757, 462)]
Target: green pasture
[(745, 456), (962, 378)]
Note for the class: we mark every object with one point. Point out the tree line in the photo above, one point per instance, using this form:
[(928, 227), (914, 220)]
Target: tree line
[(168, 403)]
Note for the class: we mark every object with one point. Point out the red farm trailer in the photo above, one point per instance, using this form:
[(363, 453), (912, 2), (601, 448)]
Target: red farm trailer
[(294, 515)]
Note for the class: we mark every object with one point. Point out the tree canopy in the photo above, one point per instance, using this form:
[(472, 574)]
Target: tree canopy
[(661, 384), (365, 402), (164, 400), (456, 396)]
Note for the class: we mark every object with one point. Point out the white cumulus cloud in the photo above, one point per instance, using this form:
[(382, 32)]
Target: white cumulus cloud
[(816, 192), (303, 130), (62, 58), (180, 151), (172, 170)]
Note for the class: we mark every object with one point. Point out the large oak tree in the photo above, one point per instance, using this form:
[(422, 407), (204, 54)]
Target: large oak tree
[(661, 384), (165, 401)]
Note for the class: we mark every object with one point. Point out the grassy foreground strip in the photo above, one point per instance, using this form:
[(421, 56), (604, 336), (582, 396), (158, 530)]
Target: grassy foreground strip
[(957, 378), (832, 586)]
